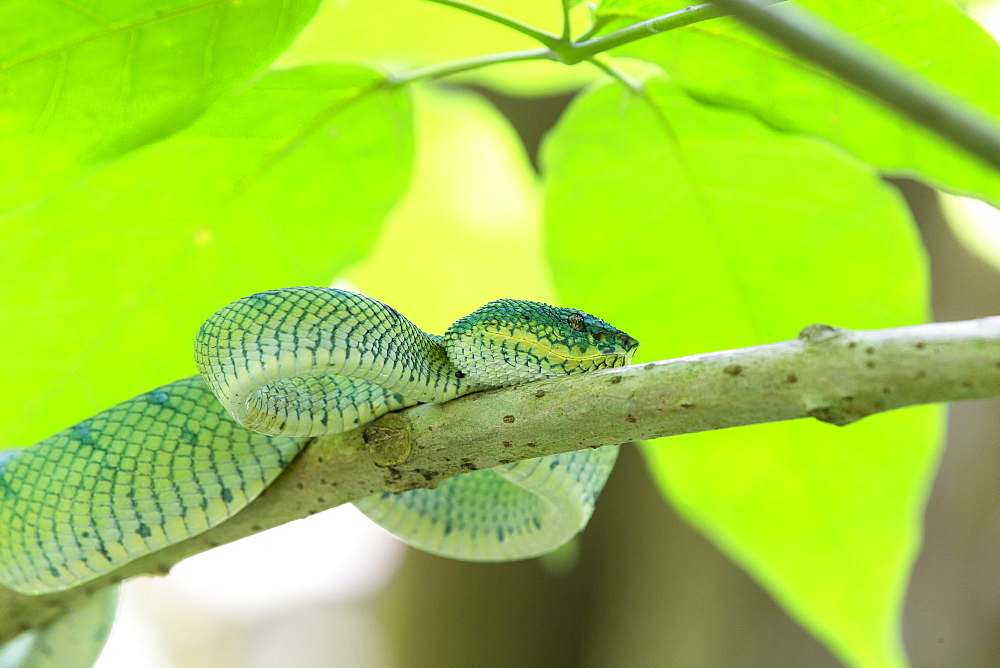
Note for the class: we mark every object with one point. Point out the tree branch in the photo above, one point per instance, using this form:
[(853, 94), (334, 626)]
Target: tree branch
[(834, 375)]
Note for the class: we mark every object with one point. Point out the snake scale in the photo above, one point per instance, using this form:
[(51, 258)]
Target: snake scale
[(277, 368)]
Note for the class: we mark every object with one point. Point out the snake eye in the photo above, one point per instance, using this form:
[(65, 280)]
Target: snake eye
[(599, 336), (575, 321)]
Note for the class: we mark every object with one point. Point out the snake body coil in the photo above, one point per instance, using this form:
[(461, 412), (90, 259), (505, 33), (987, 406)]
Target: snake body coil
[(286, 365)]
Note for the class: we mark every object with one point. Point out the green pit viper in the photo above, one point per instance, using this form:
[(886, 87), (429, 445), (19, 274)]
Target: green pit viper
[(277, 368)]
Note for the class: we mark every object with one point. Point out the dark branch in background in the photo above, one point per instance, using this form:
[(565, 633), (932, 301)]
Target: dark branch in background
[(834, 375), (871, 71)]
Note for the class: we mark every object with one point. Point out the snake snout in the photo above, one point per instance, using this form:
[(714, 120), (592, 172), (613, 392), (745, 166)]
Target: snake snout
[(627, 341), (618, 346), (621, 342)]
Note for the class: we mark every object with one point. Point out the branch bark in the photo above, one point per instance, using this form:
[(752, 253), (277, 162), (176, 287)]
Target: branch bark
[(831, 374)]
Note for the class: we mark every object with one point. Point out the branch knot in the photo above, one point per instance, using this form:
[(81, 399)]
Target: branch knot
[(389, 440), (819, 333)]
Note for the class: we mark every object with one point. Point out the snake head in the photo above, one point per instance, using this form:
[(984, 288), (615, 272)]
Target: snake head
[(511, 341)]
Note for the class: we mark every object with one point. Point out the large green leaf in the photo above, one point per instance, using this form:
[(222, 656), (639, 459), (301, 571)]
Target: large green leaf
[(283, 183), (86, 80), (722, 62), (698, 229)]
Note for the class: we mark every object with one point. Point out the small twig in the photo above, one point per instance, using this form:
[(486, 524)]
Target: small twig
[(466, 64), (833, 375), (559, 48), (621, 76), (597, 24), (567, 28)]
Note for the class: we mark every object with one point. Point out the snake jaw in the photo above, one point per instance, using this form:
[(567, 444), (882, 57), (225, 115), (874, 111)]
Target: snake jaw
[(518, 356)]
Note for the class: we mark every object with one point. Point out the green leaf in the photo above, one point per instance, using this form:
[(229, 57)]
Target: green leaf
[(403, 34), (283, 183), (87, 80), (722, 62), (697, 229)]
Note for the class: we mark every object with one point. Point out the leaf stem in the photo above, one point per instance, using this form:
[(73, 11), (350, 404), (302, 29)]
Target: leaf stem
[(567, 29), (539, 35), (466, 64), (621, 76), (561, 49), (816, 40)]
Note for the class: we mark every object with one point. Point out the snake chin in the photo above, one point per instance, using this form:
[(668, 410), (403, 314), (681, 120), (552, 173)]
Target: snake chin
[(577, 351), (562, 356)]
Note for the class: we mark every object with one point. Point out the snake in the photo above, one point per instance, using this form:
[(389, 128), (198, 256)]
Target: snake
[(277, 369)]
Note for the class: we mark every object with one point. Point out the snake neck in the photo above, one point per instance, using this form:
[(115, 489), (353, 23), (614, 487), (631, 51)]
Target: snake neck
[(445, 379)]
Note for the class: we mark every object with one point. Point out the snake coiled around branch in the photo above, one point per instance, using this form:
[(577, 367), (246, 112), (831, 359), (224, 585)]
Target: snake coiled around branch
[(277, 368)]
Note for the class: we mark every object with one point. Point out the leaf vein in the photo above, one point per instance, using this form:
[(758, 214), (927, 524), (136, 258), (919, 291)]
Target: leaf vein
[(129, 25)]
